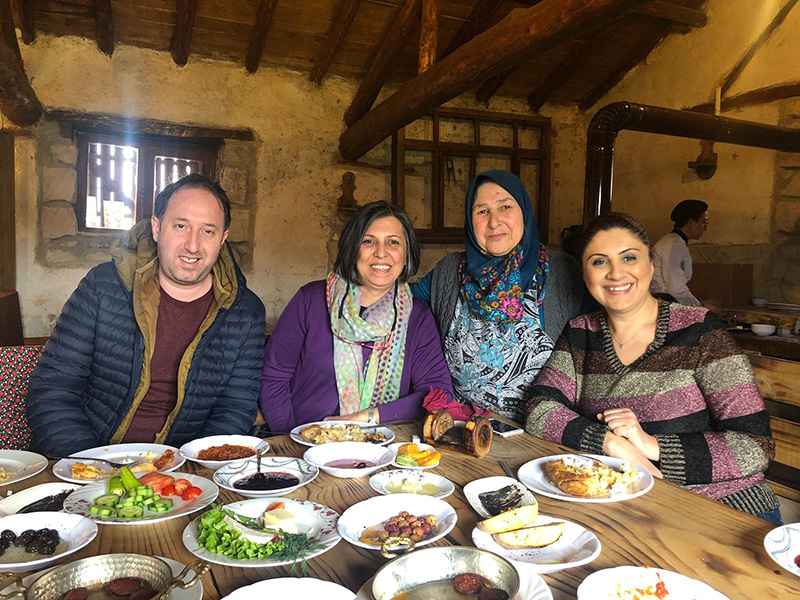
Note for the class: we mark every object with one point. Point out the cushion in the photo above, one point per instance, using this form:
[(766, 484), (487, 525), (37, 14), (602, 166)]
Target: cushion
[(16, 366)]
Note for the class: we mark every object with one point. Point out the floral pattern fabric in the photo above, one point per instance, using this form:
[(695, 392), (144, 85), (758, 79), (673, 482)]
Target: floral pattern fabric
[(495, 363), (16, 365)]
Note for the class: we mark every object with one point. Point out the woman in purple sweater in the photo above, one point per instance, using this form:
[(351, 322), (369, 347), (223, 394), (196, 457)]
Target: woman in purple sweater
[(356, 346)]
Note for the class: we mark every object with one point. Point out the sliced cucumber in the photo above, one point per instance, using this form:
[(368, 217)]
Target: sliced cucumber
[(109, 500), (130, 512)]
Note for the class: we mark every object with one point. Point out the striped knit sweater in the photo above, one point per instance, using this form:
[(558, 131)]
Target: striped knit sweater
[(692, 389)]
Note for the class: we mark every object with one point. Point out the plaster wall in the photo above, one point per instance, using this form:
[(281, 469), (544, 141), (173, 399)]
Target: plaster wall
[(298, 172)]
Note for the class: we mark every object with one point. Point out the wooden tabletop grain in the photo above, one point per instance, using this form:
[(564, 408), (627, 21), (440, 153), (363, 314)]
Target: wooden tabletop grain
[(668, 528)]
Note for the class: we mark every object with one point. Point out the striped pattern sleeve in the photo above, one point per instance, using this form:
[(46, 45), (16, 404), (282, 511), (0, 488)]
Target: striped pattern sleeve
[(739, 442), (552, 413)]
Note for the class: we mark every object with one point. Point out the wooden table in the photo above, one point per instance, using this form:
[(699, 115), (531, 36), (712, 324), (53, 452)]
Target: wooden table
[(668, 527)]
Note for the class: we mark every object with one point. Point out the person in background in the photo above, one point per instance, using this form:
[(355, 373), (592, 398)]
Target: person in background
[(162, 344), (500, 304), (656, 383), (356, 345), (673, 263)]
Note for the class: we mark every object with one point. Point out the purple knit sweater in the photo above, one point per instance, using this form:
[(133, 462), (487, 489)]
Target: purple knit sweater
[(298, 383), (692, 389)]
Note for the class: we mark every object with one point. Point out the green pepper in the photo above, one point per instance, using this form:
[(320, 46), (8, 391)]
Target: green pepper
[(128, 479)]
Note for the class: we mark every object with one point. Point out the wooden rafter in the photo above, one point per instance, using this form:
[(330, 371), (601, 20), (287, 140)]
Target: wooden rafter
[(7, 34), (18, 101), (104, 26), (23, 15), (342, 20), (770, 93), (523, 30), (429, 34), (186, 13), (674, 13), (490, 87), (637, 55), (266, 10), (477, 22), (394, 36), (559, 75)]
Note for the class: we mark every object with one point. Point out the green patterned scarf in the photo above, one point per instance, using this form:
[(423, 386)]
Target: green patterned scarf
[(383, 324)]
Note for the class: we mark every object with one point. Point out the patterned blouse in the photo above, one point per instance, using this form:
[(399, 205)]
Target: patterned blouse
[(494, 364)]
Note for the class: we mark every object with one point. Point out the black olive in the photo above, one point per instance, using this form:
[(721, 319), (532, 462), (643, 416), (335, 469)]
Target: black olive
[(24, 538), (33, 548), (48, 549), (42, 531), (8, 535)]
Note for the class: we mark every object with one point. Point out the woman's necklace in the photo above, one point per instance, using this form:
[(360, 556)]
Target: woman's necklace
[(642, 333)]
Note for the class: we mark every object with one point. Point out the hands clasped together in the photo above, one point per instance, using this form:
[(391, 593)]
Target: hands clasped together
[(628, 441)]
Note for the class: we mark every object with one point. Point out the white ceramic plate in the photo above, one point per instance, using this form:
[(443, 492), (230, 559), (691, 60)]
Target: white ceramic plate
[(291, 587), (190, 450), (320, 519), (531, 587), (80, 501), (490, 484), (75, 532), (385, 431), (783, 546), (122, 453), (533, 476), (228, 475), (615, 583), (576, 546), (374, 511), (193, 593), (324, 454), (13, 503), (20, 464), (385, 482), (422, 446)]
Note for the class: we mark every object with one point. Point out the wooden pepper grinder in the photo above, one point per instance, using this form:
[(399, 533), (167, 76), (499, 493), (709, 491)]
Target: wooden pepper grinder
[(475, 437)]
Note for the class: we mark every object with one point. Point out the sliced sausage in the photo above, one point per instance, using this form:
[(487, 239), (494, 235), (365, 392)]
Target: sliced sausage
[(468, 583)]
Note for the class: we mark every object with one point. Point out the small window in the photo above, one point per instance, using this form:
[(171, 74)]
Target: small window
[(120, 175)]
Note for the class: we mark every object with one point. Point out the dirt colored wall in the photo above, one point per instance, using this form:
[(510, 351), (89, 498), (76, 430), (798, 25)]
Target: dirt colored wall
[(297, 173)]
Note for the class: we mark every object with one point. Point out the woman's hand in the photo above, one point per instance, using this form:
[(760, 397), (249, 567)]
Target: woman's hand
[(623, 423), (362, 415), (619, 447)]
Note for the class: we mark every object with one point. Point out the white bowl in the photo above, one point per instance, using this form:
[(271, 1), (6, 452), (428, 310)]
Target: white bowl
[(12, 504), (762, 329), (75, 531), (288, 587), (227, 476), (190, 450), (759, 301), (323, 455)]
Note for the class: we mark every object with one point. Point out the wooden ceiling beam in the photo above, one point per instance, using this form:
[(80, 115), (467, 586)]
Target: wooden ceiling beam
[(490, 87), (764, 95), (674, 13), (18, 101), (258, 37), (342, 20), (428, 34), (104, 26), (639, 53), (479, 19), (523, 30), (23, 15), (394, 37), (561, 73), (181, 44)]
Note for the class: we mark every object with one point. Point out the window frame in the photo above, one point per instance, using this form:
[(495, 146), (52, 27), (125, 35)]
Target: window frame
[(205, 150), (438, 233)]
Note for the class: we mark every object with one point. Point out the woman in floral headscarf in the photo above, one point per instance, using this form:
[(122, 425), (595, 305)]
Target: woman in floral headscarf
[(500, 304)]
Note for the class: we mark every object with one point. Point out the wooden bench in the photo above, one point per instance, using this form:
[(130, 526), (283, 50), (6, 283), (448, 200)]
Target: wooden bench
[(779, 383)]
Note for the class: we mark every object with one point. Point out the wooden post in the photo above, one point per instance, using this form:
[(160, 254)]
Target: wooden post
[(23, 14), (186, 13), (18, 101), (540, 27), (394, 37), (345, 14), (8, 244), (266, 9), (104, 26), (429, 34)]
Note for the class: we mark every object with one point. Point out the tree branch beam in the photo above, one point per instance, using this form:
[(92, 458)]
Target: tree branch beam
[(429, 34), (23, 15), (524, 30), (764, 95), (186, 14), (18, 101), (561, 73), (394, 37), (345, 15), (258, 37), (104, 26), (674, 13), (479, 19)]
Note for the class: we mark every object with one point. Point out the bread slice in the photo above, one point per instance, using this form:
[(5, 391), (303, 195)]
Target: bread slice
[(516, 518), (537, 536)]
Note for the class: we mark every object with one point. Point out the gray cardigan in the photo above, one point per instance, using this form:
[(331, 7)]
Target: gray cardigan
[(565, 296)]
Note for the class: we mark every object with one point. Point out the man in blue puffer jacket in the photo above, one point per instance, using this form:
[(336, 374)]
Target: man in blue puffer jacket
[(162, 344)]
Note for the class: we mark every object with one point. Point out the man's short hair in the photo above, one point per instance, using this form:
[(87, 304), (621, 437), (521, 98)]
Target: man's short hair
[(193, 180), (688, 210)]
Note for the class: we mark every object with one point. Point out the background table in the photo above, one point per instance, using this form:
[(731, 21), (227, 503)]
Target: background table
[(668, 527)]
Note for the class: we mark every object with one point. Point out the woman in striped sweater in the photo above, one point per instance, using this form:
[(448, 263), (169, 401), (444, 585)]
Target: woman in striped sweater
[(660, 384)]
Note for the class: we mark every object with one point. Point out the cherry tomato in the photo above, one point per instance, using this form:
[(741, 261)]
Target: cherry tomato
[(168, 490), (797, 560), (191, 493), (181, 485)]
